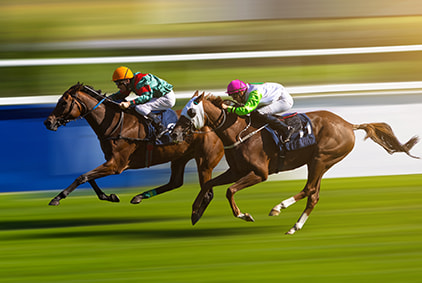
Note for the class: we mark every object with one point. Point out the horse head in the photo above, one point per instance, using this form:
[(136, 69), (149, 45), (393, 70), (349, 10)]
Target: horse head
[(192, 117), (69, 107), (201, 110)]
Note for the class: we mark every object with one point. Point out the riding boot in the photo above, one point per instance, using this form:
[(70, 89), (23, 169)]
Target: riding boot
[(278, 125), (156, 122)]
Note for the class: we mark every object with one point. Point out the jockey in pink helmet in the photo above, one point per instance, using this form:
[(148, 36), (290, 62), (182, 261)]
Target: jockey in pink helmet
[(262, 100), (236, 86)]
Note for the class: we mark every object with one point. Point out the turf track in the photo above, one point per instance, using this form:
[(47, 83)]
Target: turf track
[(363, 230)]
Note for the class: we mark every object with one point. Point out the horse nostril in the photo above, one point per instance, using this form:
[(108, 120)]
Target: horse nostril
[(50, 125)]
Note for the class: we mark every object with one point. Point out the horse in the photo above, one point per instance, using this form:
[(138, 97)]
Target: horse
[(123, 139), (252, 153)]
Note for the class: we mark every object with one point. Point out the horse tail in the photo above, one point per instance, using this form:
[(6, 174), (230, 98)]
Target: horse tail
[(382, 134)]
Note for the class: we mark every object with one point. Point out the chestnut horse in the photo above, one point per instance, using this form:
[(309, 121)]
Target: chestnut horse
[(123, 140), (252, 154)]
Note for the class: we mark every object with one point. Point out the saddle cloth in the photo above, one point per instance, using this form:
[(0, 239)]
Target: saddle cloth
[(168, 119), (302, 136)]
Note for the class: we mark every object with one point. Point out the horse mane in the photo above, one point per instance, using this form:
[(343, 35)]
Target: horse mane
[(216, 100), (93, 93), (85, 88)]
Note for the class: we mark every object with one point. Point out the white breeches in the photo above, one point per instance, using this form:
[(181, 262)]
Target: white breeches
[(277, 107), (162, 103)]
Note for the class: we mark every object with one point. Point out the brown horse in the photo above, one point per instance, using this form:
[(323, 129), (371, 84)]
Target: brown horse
[(252, 154), (123, 140)]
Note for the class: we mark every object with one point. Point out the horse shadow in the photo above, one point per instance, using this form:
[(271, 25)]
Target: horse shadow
[(52, 229)]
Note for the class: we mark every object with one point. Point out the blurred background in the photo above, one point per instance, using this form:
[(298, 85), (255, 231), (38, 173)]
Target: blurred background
[(81, 29), (363, 229), (76, 28)]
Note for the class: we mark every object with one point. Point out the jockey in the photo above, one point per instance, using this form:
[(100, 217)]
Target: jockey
[(153, 94), (262, 100)]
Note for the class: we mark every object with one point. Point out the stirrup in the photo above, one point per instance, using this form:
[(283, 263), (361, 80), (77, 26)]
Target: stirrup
[(161, 133), (290, 131)]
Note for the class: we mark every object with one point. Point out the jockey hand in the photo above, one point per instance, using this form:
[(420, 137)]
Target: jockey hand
[(124, 104), (224, 106)]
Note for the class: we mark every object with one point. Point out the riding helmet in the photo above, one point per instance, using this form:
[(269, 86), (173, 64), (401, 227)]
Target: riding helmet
[(236, 86), (122, 73)]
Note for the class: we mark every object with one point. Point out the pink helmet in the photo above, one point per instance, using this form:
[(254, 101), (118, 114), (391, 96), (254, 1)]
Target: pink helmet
[(235, 86)]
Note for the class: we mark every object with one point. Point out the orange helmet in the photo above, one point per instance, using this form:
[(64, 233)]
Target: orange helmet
[(122, 73)]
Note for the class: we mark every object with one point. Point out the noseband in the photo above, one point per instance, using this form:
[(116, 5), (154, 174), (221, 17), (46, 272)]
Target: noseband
[(214, 128)]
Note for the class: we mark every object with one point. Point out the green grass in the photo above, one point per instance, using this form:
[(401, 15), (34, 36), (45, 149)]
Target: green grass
[(363, 230)]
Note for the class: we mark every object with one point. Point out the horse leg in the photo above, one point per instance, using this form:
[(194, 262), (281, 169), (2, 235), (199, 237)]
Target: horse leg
[(313, 199), (311, 190), (176, 181), (103, 170), (329, 154), (315, 172), (206, 163), (283, 205), (199, 206), (63, 194), (101, 195), (275, 211), (249, 180)]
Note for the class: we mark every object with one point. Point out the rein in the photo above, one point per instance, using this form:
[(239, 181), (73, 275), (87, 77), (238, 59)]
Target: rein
[(240, 139), (246, 137), (87, 111)]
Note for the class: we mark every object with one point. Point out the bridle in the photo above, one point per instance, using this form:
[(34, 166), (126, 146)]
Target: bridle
[(214, 127), (82, 108), (67, 117), (191, 129)]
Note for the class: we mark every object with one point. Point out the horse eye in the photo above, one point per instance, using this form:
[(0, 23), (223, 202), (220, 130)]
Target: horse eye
[(191, 112), (61, 105)]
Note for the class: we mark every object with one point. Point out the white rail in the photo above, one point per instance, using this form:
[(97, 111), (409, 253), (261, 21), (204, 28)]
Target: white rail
[(210, 56), (296, 91)]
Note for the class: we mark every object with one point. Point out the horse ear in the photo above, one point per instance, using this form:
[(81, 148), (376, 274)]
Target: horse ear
[(195, 94), (202, 95)]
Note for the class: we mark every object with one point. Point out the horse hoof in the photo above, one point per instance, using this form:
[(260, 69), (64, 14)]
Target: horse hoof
[(54, 202), (291, 231), (195, 217), (247, 217), (136, 199), (114, 198), (103, 197), (274, 212)]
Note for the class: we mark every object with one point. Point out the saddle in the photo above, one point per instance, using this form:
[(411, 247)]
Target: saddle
[(168, 118), (302, 136)]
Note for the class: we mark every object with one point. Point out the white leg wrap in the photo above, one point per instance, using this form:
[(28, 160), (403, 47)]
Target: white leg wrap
[(284, 204), (288, 202), (241, 216), (301, 221), (277, 207)]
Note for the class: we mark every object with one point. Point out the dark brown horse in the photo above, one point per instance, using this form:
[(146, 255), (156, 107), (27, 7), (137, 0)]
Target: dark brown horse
[(252, 154), (123, 140)]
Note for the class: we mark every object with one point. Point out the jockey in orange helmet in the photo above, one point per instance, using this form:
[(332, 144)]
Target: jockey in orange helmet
[(153, 94)]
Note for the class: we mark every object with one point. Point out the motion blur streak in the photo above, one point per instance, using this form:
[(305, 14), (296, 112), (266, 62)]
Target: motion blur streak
[(211, 56)]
